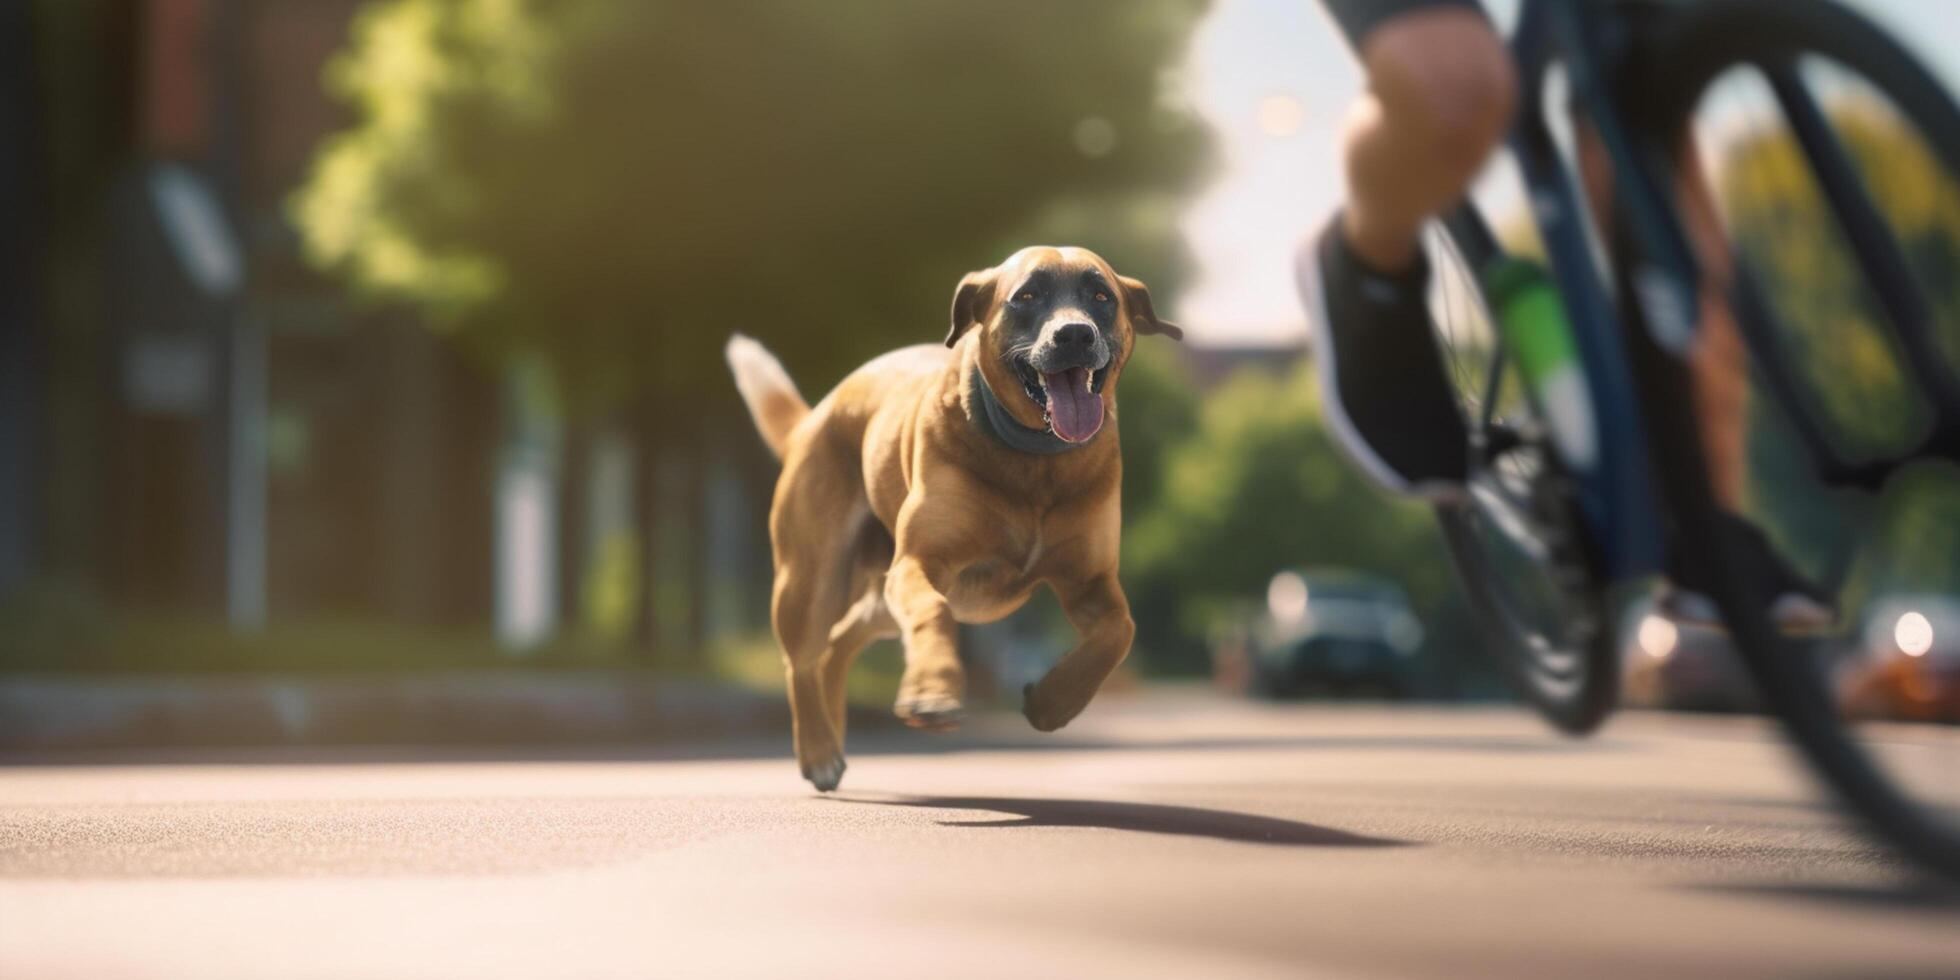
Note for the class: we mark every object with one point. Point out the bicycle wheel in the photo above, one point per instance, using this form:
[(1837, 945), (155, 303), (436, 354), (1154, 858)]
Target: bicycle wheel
[(1515, 539), (1833, 164)]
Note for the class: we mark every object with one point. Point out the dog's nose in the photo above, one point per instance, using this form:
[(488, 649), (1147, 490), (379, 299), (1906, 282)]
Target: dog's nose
[(1075, 336)]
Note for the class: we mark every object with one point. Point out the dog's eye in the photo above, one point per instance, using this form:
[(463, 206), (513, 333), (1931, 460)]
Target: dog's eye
[(1025, 297), (1102, 297)]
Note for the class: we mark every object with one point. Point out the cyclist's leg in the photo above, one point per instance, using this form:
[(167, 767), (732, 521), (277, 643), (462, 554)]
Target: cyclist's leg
[(1719, 365), (1440, 90), (1718, 370)]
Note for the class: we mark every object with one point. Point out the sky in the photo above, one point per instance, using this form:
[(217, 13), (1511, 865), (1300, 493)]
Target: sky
[(1275, 80)]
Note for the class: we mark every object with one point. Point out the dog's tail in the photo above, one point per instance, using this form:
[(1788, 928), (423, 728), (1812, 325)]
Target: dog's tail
[(772, 397)]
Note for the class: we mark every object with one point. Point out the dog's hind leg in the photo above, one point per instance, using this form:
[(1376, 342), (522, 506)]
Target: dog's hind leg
[(814, 572), (866, 621), (806, 601), (868, 618)]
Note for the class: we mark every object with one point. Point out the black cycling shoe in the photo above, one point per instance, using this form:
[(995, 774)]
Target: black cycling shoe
[(1797, 605), (1389, 403)]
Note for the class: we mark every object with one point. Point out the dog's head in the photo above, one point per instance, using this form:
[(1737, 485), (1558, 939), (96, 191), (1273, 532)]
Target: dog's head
[(1056, 326)]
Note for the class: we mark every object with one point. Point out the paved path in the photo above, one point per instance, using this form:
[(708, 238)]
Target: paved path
[(1166, 835)]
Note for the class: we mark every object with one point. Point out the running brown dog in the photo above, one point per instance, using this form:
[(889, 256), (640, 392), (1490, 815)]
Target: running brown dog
[(942, 485)]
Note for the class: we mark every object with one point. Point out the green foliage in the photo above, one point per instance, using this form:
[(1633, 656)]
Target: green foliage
[(66, 630), (611, 585), (1258, 486), (1842, 353), (1839, 345), (1159, 408), (619, 184)]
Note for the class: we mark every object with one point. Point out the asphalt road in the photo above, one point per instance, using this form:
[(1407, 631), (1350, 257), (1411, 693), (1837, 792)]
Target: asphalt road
[(1161, 835)]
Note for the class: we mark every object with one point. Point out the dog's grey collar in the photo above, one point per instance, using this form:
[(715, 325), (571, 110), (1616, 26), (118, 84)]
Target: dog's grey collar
[(994, 417)]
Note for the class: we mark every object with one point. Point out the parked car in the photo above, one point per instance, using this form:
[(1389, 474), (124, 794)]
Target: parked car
[(1324, 632), (1908, 666)]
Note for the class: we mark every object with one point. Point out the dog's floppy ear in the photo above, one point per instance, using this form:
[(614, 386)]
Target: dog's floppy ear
[(970, 302), (1143, 316)]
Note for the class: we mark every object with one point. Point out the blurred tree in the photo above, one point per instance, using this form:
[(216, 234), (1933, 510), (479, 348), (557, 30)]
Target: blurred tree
[(616, 185), (1159, 409), (85, 82), (1840, 346), (1255, 488)]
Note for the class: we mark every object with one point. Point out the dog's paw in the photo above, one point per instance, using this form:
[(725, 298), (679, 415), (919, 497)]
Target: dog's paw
[(825, 775), (933, 713), (1044, 716)]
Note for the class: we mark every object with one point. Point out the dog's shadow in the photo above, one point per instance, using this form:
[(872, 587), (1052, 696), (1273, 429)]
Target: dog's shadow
[(1146, 818)]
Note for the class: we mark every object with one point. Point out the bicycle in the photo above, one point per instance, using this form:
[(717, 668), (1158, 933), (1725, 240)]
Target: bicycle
[(1553, 549)]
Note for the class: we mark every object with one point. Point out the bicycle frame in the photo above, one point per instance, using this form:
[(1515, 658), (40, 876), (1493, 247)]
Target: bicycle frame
[(1647, 496), (1617, 494)]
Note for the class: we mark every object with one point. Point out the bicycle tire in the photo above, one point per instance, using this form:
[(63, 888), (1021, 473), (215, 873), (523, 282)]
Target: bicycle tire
[(1697, 45), (1572, 679)]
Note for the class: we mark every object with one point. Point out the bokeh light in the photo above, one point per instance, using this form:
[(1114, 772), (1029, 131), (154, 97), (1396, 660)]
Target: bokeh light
[(1286, 597), (1658, 637), (1913, 634)]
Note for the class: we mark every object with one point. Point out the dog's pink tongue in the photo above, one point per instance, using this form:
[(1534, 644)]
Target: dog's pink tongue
[(1074, 412)]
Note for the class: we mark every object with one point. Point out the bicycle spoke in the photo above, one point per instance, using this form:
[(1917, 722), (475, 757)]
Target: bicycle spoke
[(1453, 320), (1764, 335), (1845, 333), (1878, 254), (1493, 383)]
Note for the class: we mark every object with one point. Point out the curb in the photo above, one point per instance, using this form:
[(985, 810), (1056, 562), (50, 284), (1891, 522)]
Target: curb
[(505, 707)]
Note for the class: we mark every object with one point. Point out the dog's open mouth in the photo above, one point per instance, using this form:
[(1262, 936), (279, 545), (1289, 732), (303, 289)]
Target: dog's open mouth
[(1072, 398)]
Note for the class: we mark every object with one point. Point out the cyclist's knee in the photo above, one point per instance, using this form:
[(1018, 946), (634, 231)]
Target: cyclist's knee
[(1446, 77)]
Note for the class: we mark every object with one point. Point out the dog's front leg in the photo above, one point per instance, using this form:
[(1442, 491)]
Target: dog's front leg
[(929, 695), (1101, 615)]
